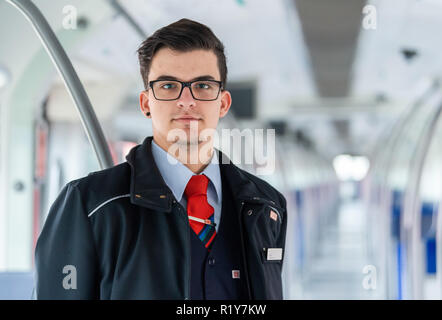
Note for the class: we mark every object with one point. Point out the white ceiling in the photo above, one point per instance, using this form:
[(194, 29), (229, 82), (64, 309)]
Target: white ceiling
[(264, 43), (380, 66), (262, 39)]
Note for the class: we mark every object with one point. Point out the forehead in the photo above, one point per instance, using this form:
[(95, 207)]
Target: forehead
[(184, 65)]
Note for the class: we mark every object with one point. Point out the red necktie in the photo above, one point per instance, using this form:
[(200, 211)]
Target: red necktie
[(200, 212)]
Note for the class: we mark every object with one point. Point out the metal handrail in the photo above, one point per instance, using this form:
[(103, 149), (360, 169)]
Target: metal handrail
[(70, 78), (392, 142), (121, 10), (412, 207)]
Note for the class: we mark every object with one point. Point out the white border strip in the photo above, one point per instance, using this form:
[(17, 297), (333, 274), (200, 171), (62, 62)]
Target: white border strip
[(106, 202)]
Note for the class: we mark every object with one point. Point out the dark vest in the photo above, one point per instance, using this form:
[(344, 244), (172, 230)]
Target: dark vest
[(211, 275)]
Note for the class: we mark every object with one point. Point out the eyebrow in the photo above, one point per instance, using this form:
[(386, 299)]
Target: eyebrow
[(167, 77)]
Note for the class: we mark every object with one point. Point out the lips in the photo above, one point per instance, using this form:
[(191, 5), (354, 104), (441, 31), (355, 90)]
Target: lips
[(186, 118)]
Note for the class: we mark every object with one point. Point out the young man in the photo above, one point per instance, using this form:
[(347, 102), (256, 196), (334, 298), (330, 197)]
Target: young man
[(154, 228)]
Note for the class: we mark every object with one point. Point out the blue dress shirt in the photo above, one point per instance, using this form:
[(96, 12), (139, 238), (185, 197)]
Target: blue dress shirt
[(177, 175)]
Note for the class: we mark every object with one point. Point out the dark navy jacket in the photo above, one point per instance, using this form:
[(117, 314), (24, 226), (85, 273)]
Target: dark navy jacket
[(219, 273), (119, 233)]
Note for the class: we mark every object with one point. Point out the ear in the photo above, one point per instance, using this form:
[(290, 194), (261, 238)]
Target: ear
[(226, 102), (144, 102)]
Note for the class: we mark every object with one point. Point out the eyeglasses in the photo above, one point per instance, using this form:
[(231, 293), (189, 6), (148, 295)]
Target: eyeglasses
[(167, 90)]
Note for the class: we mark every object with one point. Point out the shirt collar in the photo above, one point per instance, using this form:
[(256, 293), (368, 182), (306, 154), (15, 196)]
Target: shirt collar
[(177, 175)]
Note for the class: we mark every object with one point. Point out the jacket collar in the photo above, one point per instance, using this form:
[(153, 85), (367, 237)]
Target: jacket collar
[(148, 189)]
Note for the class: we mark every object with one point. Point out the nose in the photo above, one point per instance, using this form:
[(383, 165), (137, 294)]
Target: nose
[(186, 99)]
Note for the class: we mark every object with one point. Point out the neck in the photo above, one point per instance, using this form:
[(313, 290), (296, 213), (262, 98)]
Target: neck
[(195, 156)]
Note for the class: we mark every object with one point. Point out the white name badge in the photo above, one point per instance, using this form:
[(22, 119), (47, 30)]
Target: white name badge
[(274, 253)]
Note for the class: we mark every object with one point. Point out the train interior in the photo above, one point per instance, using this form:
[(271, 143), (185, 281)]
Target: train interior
[(352, 89)]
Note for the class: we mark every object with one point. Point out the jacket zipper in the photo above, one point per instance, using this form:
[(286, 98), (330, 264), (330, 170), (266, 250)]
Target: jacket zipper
[(244, 252), (259, 200), (189, 262)]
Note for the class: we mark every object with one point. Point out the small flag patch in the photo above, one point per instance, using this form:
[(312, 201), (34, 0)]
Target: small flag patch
[(273, 215), (235, 274)]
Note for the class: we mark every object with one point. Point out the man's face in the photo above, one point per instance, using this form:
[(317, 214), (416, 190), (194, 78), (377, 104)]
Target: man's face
[(167, 115)]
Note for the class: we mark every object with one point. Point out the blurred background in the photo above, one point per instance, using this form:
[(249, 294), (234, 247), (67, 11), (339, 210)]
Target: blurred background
[(351, 87)]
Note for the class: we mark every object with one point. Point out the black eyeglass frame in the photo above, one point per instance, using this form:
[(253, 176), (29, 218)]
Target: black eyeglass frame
[(186, 84)]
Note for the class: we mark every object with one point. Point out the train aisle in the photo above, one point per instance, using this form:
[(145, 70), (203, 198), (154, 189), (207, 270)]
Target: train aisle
[(337, 270)]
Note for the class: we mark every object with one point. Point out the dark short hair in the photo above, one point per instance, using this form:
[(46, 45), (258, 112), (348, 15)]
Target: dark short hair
[(183, 35)]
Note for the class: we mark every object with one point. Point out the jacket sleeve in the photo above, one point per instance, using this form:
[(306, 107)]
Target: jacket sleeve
[(65, 256)]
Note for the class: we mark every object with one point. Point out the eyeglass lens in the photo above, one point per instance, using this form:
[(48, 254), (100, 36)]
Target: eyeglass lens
[(170, 90)]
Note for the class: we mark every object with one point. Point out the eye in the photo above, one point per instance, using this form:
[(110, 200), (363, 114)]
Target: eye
[(203, 85), (168, 86)]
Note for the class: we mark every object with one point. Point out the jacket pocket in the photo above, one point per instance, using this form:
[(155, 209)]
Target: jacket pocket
[(267, 227), (263, 223), (274, 221)]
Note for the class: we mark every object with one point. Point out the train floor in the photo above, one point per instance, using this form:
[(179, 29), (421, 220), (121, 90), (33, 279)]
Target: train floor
[(340, 267)]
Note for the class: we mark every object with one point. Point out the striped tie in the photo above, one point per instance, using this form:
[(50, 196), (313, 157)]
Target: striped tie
[(200, 212)]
